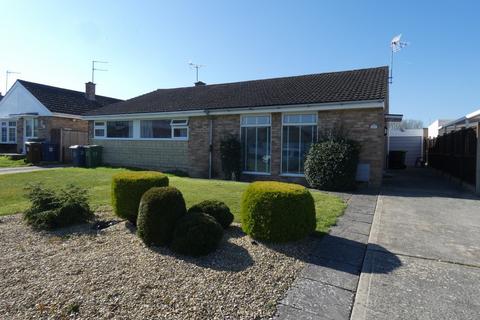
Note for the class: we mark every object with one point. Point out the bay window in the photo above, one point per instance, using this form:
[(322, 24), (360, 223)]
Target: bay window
[(256, 143), (299, 131)]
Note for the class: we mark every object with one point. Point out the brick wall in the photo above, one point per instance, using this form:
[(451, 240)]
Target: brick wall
[(151, 154), (357, 124), (46, 124)]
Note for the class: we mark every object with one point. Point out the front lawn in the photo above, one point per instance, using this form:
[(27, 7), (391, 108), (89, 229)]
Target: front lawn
[(6, 162), (98, 180)]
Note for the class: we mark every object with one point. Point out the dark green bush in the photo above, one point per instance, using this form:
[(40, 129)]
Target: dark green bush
[(216, 209), (196, 234), (51, 210), (159, 211), (231, 155), (277, 212), (129, 187), (332, 164)]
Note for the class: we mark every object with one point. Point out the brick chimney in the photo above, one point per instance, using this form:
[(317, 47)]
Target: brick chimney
[(199, 83), (90, 90)]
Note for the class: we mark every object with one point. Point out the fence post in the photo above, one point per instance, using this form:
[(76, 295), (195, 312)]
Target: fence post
[(477, 181)]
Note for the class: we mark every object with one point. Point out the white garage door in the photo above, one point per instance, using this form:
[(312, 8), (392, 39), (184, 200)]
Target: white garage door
[(412, 145)]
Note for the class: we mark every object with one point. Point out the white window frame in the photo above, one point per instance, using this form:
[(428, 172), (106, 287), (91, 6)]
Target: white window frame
[(284, 124), (99, 125), (34, 128), (175, 123), (7, 127), (262, 125)]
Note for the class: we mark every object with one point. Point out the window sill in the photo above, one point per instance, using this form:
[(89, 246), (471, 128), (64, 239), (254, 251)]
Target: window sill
[(257, 173), (298, 175), (142, 139)]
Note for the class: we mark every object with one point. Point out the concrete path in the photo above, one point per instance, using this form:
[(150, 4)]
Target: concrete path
[(325, 288), (423, 256), (28, 169)]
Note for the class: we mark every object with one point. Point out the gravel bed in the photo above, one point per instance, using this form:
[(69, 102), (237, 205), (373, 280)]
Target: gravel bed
[(81, 273)]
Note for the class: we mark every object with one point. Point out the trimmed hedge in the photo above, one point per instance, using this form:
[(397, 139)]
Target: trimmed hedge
[(159, 211), (196, 234), (332, 165), (216, 209), (129, 187), (277, 212)]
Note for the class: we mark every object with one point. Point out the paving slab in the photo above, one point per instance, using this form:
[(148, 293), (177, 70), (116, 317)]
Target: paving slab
[(28, 169), (319, 298)]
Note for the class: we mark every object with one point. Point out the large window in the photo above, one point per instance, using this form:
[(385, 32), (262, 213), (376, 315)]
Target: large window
[(142, 129), (8, 133), (119, 129), (256, 149), (299, 131), (164, 129)]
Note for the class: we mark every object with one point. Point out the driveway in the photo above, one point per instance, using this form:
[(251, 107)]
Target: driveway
[(433, 228)]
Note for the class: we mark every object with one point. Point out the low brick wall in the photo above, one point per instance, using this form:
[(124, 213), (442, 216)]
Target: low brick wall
[(160, 155)]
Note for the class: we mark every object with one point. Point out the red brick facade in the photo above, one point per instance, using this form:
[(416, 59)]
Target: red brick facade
[(363, 125)]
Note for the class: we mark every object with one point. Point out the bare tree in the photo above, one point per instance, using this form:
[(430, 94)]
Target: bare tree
[(407, 124)]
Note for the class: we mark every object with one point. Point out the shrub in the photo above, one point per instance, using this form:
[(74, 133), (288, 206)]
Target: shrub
[(129, 187), (332, 164), (277, 212), (230, 153), (216, 209), (50, 209), (159, 211), (196, 234)]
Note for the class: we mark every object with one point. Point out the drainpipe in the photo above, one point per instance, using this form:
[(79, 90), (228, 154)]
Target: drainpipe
[(477, 182), (210, 147)]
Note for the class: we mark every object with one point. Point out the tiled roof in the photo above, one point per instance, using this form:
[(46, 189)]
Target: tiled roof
[(64, 100), (354, 85)]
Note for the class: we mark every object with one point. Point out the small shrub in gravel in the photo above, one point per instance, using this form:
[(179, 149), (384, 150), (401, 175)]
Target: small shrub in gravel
[(217, 209), (51, 210), (196, 234), (129, 187), (277, 212), (159, 211)]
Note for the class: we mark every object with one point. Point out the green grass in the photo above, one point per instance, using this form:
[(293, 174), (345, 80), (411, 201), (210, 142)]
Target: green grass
[(97, 182), (6, 162)]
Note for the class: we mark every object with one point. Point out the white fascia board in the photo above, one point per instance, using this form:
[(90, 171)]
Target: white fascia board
[(267, 109), (302, 107), (147, 115), (19, 101), (66, 115), (474, 115)]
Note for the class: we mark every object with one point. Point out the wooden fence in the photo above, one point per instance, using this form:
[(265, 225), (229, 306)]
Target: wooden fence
[(66, 138), (455, 153)]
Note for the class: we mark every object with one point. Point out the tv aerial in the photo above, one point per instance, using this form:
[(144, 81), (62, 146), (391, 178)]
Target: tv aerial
[(196, 67), (396, 45)]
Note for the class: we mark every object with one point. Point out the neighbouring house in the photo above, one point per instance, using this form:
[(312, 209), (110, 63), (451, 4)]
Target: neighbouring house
[(433, 128), (276, 120), (36, 111)]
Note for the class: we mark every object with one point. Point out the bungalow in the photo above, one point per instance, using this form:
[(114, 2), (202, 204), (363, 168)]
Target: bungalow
[(276, 120), (32, 110)]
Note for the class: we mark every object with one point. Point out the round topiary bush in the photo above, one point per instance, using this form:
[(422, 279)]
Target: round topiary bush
[(159, 211), (332, 165), (216, 209), (196, 234), (277, 212), (129, 187)]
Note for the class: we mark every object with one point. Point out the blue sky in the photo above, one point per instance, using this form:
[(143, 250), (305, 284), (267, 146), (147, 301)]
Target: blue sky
[(148, 45)]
